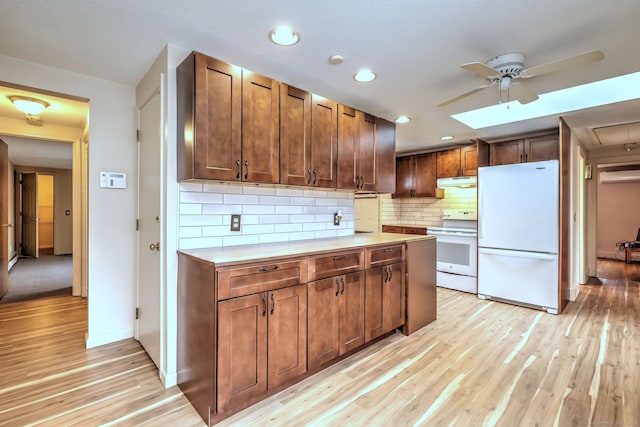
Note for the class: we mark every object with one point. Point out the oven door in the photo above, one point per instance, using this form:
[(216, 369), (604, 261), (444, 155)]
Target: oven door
[(457, 254)]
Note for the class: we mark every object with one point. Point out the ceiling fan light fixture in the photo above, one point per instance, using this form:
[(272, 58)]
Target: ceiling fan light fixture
[(284, 36), (364, 76), (28, 105), (403, 119)]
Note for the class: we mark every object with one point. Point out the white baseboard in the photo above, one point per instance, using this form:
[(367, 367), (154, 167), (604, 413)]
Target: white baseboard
[(109, 338), (169, 379), (13, 260)]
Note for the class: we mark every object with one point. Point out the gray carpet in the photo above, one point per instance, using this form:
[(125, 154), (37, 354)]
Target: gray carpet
[(46, 276)]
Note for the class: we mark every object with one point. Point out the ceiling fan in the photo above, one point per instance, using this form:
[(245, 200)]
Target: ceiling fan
[(505, 71)]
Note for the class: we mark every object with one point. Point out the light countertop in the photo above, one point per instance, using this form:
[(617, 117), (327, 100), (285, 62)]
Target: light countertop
[(235, 254)]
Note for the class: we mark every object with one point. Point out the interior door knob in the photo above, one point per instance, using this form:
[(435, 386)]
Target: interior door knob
[(154, 247)]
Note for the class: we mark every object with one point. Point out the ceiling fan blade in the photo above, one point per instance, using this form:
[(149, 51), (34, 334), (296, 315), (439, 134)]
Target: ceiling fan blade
[(481, 69), (464, 95), (522, 93), (563, 64)]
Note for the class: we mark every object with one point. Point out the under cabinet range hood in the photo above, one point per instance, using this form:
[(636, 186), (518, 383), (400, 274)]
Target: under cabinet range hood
[(458, 181)]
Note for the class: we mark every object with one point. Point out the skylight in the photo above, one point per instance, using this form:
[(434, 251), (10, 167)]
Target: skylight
[(609, 91)]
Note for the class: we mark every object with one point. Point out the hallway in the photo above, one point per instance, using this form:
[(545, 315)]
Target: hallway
[(34, 278)]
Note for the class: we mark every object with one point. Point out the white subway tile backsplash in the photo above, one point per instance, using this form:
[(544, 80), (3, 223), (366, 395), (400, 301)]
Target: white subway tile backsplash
[(269, 214), (241, 199), (192, 197), (190, 209)]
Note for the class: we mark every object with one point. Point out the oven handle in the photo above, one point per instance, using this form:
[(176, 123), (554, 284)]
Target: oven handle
[(518, 254)]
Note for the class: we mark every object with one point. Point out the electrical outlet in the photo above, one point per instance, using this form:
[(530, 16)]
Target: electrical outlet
[(235, 222)]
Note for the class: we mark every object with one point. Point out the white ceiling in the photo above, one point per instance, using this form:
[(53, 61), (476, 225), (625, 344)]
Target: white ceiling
[(415, 47)]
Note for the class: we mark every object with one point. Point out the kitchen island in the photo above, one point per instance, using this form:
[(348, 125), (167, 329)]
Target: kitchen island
[(254, 319)]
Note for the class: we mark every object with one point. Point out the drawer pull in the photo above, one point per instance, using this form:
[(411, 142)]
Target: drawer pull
[(264, 305), (338, 258), (273, 304), (387, 249), (265, 269)]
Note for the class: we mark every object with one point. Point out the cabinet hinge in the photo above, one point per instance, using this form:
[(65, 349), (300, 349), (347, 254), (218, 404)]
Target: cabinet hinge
[(137, 313), (137, 224), (138, 135)]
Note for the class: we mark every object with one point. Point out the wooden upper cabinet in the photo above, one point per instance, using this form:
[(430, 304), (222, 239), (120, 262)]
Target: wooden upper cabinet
[(458, 162), (425, 175), (469, 160), (324, 142), (541, 148), (523, 150), (260, 128), (295, 136), (308, 138), (366, 167), (385, 156), (228, 121), (347, 147), (405, 167), (416, 176)]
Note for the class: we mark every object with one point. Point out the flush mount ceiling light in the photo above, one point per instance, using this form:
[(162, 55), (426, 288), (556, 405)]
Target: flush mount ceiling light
[(365, 75), (284, 36), (336, 59), (403, 119), (446, 137), (28, 105)]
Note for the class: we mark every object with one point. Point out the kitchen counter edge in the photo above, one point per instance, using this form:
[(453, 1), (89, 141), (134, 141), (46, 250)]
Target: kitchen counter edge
[(254, 252)]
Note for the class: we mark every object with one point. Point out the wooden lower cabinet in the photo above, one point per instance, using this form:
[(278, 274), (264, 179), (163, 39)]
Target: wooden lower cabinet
[(336, 317), (385, 300), (261, 344)]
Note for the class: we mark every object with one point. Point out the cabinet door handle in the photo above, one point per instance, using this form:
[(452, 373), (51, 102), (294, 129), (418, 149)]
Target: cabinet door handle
[(238, 163), (390, 273), (246, 165), (386, 275), (338, 287), (264, 305), (361, 182), (342, 291), (265, 269), (309, 180), (315, 176), (526, 157), (273, 304), (520, 158)]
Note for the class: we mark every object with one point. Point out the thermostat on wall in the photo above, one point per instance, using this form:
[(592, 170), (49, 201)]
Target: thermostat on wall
[(113, 180)]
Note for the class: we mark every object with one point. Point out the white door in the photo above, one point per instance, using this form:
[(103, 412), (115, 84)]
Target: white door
[(518, 206), (149, 256)]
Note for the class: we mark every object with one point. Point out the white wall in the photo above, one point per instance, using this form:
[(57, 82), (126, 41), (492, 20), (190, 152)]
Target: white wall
[(111, 249)]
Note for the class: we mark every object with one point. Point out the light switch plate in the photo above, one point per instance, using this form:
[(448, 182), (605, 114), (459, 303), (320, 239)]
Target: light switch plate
[(235, 222)]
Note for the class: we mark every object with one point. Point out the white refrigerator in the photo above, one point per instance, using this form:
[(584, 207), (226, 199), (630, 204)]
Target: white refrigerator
[(518, 221)]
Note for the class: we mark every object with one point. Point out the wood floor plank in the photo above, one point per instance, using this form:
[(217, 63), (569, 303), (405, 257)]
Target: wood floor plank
[(481, 363)]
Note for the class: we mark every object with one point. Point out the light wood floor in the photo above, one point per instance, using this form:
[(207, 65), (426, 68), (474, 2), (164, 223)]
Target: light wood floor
[(480, 363)]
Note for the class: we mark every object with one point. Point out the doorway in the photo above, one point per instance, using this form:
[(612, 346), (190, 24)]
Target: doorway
[(48, 205)]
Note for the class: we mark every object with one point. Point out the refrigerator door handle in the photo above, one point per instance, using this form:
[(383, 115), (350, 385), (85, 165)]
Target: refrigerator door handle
[(518, 254)]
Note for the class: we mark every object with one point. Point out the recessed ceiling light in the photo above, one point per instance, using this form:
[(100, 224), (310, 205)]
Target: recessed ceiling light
[(403, 119), (446, 138), (365, 75), (336, 59), (284, 36), (28, 105)]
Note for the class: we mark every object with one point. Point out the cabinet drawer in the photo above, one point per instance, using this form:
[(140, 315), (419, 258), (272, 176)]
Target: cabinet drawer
[(260, 277), (415, 230), (384, 255), (392, 229), (335, 264)]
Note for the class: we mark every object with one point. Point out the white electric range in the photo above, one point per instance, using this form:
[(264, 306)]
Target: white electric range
[(457, 250)]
